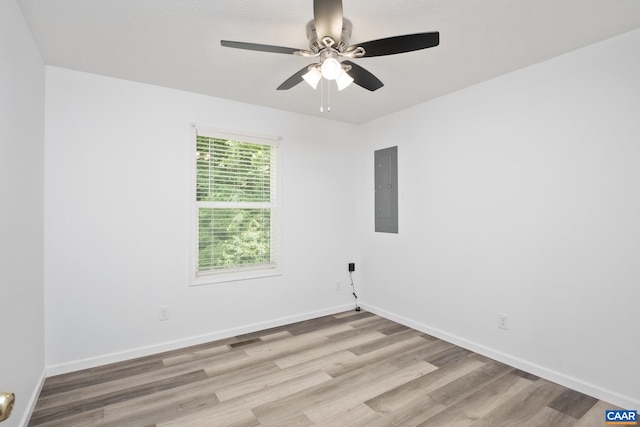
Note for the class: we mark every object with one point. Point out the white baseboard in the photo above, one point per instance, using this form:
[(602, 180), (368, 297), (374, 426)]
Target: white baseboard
[(541, 371), (106, 359), (31, 404)]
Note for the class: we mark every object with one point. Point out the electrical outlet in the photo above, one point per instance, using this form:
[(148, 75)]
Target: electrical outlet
[(164, 312), (338, 285), (503, 321)]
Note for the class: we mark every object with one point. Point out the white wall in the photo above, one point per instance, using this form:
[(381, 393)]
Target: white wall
[(21, 211), (117, 220), (521, 196)]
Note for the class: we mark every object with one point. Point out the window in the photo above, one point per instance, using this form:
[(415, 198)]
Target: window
[(236, 221)]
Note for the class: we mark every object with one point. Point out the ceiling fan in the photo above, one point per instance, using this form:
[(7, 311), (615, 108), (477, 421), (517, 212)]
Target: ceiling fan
[(328, 34)]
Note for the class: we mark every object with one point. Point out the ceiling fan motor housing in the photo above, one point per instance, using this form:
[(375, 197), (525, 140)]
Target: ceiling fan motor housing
[(316, 45)]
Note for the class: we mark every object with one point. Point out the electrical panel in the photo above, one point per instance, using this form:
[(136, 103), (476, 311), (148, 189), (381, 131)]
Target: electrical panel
[(386, 190)]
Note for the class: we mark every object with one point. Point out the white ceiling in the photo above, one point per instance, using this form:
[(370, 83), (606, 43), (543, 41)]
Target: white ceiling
[(176, 43)]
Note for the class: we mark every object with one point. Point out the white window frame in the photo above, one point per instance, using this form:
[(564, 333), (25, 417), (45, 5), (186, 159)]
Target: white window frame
[(241, 273)]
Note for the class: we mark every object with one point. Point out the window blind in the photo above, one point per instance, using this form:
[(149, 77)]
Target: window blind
[(236, 204)]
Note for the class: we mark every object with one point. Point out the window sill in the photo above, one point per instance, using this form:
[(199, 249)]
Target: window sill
[(233, 276)]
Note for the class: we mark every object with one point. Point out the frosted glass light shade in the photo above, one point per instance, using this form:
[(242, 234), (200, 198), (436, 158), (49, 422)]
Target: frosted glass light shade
[(312, 77), (330, 68), (343, 80)]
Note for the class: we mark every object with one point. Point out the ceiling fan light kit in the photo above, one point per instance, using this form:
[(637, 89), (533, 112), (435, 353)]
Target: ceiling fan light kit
[(333, 71), (329, 35)]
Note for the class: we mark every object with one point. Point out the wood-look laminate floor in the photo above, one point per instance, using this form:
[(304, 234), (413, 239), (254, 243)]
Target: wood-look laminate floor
[(349, 369)]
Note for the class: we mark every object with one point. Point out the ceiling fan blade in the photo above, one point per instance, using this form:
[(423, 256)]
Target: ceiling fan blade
[(398, 44), (362, 77), (327, 16), (293, 80), (259, 47)]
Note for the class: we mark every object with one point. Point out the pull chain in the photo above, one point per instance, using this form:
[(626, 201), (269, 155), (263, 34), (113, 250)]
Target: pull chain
[(322, 96)]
